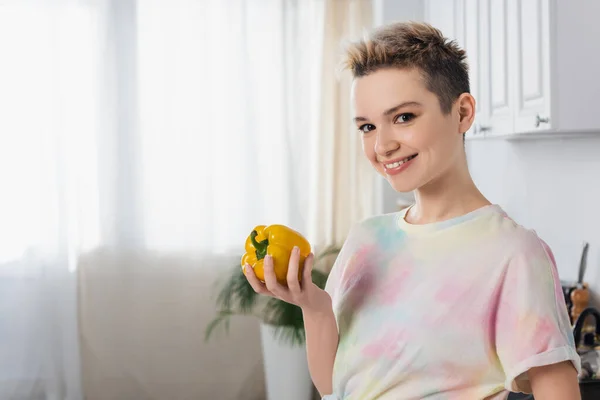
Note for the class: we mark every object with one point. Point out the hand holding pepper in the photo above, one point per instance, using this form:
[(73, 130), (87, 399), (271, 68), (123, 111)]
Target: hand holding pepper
[(281, 267), (278, 242)]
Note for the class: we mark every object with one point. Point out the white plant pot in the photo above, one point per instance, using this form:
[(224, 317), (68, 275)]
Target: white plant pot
[(286, 368)]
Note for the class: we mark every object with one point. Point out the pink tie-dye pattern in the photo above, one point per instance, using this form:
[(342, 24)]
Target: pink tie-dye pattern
[(389, 345), (467, 322), (451, 292), (358, 266), (393, 287), (357, 280)]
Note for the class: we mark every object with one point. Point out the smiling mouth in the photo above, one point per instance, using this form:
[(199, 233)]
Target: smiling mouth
[(399, 163)]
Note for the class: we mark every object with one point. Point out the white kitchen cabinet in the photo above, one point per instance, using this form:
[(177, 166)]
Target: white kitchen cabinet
[(498, 101), (468, 34), (460, 20), (534, 64), (531, 64), (443, 15)]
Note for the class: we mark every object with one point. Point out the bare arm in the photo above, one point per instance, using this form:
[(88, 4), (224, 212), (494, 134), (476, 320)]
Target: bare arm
[(321, 347), (319, 320), (555, 382)]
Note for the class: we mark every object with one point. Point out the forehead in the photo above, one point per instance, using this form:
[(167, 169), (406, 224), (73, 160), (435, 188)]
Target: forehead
[(386, 88)]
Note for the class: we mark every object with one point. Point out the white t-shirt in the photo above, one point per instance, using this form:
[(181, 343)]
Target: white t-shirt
[(458, 309)]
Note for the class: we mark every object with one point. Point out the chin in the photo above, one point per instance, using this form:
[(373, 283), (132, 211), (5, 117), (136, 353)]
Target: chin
[(401, 185)]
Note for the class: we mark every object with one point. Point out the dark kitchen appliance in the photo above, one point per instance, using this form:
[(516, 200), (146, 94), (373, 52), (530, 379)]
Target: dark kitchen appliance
[(576, 293)]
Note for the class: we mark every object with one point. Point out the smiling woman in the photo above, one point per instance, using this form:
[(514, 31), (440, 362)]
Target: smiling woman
[(399, 119), (492, 319)]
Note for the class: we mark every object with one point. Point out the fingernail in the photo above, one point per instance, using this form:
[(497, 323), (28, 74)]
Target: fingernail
[(296, 249)]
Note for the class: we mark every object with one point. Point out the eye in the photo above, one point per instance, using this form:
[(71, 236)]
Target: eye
[(405, 117), (366, 128)]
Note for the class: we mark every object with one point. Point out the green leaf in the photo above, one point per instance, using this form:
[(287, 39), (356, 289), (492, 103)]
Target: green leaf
[(290, 335), (319, 278), (287, 320), (278, 312), (237, 294), (236, 297), (328, 251), (221, 318)]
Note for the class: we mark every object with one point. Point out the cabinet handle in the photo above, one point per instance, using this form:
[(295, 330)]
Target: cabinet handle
[(539, 120)]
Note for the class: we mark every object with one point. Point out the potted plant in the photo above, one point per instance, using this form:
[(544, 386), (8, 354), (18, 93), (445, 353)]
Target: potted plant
[(282, 329)]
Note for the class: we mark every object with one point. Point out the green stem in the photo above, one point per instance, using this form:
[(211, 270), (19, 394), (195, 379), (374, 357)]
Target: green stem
[(261, 247)]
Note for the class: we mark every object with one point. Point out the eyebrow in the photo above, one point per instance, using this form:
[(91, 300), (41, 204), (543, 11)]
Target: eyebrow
[(392, 110)]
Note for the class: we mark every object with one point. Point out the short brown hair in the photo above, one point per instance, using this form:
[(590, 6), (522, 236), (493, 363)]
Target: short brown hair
[(409, 45)]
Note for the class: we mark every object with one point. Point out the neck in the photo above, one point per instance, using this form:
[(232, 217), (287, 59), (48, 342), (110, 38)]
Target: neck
[(450, 195)]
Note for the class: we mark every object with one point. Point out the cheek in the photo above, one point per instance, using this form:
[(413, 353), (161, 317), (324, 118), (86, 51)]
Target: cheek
[(413, 136), (445, 143), (368, 148), (428, 137), (425, 135)]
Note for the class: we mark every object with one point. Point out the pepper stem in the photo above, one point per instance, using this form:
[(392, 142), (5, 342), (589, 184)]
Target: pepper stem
[(261, 247)]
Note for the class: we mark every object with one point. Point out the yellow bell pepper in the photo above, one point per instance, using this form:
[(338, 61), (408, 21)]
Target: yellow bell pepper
[(277, 241)]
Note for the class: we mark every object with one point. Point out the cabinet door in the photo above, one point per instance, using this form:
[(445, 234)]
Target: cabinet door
[(459, 20), (468, 34), (532, 62), (442, 14), (496, 58)]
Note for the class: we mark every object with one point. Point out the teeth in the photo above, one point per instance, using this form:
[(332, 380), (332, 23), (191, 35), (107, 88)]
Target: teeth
[(394, 165), (398, 163)]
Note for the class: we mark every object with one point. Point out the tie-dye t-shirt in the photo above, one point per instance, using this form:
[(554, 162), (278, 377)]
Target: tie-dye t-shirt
[(458, 309)]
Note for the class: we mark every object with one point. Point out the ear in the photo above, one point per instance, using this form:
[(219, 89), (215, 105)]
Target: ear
[(466, 112)]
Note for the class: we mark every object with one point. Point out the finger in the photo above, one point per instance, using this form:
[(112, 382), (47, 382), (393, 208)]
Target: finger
[(257, 285), (270, 279), (307, 272), (292, 272)]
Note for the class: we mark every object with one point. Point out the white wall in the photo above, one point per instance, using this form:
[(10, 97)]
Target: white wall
[(550, 185), (385, 11)]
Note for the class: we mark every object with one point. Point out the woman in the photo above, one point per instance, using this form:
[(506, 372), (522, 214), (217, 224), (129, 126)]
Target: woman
[(449, 298)]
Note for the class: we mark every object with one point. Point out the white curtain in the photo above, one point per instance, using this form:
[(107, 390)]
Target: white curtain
[(140, 141), (48, 128), (344, 184)]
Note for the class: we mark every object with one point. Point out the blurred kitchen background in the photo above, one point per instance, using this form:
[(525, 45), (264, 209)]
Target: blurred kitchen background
[(142, 140)]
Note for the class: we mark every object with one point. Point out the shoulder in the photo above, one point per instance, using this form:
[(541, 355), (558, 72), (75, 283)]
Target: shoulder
[(363, 234), (367, 231), (527, 258), (527, 243), (517, 240), (380, 221)]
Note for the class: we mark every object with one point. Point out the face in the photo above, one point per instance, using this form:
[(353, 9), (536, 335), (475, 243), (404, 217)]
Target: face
[(405, 135)]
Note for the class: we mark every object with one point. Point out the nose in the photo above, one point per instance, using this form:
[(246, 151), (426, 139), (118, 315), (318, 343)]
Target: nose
[(385, 143)]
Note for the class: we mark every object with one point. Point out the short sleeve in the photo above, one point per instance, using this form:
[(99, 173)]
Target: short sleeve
[(334, 278), (333, 286), (532, 323)]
